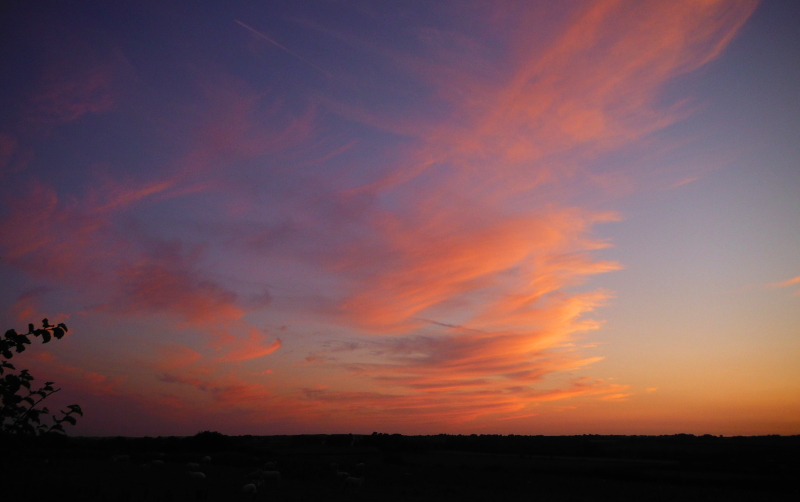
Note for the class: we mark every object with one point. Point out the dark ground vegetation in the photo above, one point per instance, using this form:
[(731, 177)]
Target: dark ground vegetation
[(398, 468)]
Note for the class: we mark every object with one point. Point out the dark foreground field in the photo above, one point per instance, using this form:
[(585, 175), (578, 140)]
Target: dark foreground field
[(395, 468)]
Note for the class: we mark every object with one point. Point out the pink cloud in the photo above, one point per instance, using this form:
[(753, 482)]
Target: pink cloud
[(46, 366), (473, 226), (252, 347), (50, 236), (787, 283), (165, 282), (71, 241), (8, 145), (455, 260), (173, 356), (78, 81), (25, 309), (226, 390)]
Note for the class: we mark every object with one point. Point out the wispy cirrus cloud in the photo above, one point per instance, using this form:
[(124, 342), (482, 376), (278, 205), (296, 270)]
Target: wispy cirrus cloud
[(786, 284), (165, 281), (474, 229), (433, 207), (77, 81), (8, 146), (78, 243)]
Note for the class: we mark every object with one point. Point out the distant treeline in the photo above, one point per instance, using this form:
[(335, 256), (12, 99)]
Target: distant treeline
[(446, 467), (683, 448)]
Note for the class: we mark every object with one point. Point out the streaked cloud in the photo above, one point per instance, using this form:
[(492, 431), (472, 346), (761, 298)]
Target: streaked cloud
[(78, 79), (787, 283), (426, 219)]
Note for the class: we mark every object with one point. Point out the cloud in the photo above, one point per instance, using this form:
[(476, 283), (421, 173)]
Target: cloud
[(74, 241), (24, 309), (92, 240), (252, 347), (472, 228), (72, 377), (426, 261), (8, 145), (427, 221), (165, 281), (78, 81), (173, 356), (227, 390), (684, 181), (438, 409), (50, 237), (785, 284)]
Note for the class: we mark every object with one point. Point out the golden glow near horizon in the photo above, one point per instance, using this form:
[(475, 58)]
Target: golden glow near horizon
[(314, 218)]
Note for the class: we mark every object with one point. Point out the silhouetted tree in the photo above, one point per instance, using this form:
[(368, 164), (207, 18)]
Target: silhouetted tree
[(19, 414)]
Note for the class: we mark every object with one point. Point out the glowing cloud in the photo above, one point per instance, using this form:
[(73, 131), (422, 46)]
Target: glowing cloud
[(423, 220), (787, 283)]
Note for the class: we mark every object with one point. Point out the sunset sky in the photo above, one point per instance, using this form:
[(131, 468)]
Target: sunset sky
[(415, 217)]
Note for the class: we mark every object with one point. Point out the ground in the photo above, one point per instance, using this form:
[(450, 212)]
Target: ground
[(399, 468)]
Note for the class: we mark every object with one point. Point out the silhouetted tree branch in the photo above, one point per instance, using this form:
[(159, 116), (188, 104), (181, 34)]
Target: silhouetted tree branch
[(18, 411)]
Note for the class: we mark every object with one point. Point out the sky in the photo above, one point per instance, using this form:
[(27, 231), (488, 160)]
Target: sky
[(413, 217)]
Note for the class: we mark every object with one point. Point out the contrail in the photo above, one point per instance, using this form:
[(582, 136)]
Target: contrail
[(298, 56)]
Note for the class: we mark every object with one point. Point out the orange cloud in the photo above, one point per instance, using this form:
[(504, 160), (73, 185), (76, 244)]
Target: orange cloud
[(473, 230), (249, 348), (789, 282), (25, 309), (53, 236), (162, 282), (230, 392), (173, 356), (46, 365), (786, 284), (66, 240), (459, 257)]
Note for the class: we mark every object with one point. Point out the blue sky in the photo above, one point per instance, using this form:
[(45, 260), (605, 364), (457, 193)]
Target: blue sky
[(341, 216)]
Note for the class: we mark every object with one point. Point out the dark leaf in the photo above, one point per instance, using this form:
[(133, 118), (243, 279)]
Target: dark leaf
[(12, 333), (7, 354), (69, 419), (30, 328), (28, 400), (45, 323), (20, 348), (58, 333), (46, 336), (63, 326), (57, 427), (76, 409)]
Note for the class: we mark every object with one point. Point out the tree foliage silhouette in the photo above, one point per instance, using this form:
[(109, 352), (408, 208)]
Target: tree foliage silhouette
[(19, 412)]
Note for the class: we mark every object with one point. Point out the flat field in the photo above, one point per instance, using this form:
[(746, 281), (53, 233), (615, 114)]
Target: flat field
[(400, 468)]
